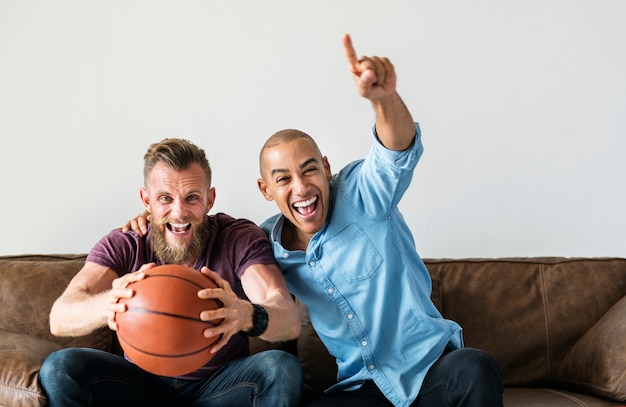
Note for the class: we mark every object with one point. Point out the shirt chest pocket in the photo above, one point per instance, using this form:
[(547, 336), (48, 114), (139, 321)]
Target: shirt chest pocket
[(352, 254)]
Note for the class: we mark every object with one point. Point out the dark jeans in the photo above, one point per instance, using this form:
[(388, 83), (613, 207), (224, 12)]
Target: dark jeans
[(88, 377), (463, 378)]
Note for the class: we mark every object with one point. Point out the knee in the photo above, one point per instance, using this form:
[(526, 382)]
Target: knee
[(59, 365), (282, 366), (52, 365), (471, 375), (478, 364), (54, 371)]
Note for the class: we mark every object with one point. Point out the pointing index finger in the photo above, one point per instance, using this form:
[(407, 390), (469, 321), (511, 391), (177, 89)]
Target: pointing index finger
[(349, 49)]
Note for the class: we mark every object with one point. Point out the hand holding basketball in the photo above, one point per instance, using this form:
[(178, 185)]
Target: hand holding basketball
[(121, 290), (234, 311), (161, 329)]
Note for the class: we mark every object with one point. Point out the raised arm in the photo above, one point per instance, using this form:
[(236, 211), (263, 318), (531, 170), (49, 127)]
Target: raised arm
[(375, 79)]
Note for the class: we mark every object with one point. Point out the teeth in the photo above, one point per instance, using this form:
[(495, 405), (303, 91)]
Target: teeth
[(305, 203), (179, 225)]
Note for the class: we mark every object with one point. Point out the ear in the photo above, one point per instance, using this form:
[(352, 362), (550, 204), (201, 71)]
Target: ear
[(145, 198), (265, 190), (329, 173), (211, 199)]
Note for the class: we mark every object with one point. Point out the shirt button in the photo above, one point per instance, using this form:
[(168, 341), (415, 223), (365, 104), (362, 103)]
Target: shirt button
[(312, 264), (330, 291), (363, 343), (286, 255), (371, 367), (350, 316)]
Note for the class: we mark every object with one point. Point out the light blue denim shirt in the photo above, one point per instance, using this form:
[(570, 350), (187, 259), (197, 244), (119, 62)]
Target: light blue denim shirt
[(366, 288)]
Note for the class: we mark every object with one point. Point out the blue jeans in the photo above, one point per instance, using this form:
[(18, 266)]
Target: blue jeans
[(463, 378), (89, 377)]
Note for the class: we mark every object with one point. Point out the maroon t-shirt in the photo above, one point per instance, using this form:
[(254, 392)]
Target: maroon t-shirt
[(233, 246)]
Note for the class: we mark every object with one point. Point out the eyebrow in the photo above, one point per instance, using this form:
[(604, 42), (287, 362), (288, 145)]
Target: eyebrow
[(191, 192), (304, 164)]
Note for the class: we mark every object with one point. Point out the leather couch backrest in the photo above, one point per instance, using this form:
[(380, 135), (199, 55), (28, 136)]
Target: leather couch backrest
[(527, 312), (29, 285)]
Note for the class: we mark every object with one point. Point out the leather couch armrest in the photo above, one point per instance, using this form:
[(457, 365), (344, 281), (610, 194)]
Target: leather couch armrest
[(21, 357)]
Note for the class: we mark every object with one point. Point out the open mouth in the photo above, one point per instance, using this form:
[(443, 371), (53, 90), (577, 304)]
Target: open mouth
[(306, 208), (178, 228)]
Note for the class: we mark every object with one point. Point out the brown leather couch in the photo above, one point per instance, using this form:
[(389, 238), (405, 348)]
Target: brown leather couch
[(556, 326)]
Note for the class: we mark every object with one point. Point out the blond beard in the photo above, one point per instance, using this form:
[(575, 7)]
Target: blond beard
[(179, 253)]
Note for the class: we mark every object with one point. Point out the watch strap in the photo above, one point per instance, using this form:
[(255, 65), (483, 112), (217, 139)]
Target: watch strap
[(260, 320)]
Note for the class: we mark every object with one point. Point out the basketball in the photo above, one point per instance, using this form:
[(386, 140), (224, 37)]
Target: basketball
[(161, 330)]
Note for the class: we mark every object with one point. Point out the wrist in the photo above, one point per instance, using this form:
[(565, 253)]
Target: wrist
[(260, 321)]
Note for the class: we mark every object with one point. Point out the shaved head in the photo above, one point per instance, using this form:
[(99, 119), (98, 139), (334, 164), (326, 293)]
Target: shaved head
[(281, 137)]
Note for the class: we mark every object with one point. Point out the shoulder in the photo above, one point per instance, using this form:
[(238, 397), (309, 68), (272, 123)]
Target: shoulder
[(118, 250), (235, 230), (270, 223), (226, 223), (242, 240), (117, 240)]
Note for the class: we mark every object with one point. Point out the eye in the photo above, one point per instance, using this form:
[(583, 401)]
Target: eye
[(193, 198), (165, 199), (282, 180), (310, 170)]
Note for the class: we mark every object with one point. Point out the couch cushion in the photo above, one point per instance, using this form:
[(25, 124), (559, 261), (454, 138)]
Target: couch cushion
[(21, 357), (597, 363), (578, 292)]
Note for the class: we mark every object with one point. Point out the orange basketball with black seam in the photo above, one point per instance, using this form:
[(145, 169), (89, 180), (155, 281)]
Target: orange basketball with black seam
[(161, 330)]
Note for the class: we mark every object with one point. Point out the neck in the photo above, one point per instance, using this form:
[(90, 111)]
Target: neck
[(293, 239)]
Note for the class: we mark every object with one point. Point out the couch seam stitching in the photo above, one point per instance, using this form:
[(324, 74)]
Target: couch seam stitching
[(548, 322), (23, 390), (568, 396)]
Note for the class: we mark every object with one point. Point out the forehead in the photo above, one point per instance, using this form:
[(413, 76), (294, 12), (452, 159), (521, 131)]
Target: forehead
[(163, 177), (293, 152)]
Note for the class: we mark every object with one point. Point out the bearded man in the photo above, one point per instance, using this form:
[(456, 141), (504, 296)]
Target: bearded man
[(234, 253)]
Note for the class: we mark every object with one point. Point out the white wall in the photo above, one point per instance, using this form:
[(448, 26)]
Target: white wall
[(522, 106)]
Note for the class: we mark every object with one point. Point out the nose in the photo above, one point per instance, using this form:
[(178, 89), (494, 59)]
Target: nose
[(300, 186), (177, 209)]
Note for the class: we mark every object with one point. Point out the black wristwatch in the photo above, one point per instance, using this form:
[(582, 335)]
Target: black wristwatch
[(259, 321)]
